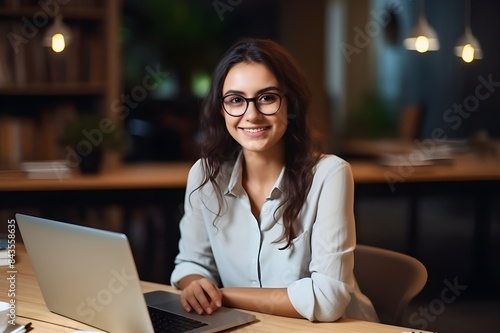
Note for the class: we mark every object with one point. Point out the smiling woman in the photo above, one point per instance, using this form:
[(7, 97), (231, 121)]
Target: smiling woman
[(252, 128), (278, 235)]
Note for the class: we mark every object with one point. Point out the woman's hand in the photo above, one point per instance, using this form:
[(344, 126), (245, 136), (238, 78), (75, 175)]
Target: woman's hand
[(200, 294)]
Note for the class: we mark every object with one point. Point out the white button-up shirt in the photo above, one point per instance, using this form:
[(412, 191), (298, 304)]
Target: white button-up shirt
[(235, 250)]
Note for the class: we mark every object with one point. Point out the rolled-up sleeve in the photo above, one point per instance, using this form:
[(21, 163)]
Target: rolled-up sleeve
[(195, 252), (327, 292)]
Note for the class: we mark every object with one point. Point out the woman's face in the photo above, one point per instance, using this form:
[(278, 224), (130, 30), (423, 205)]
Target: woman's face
[(255, 131)]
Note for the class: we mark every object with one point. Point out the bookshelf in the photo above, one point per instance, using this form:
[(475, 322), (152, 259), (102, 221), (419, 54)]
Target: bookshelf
[(40, 90)]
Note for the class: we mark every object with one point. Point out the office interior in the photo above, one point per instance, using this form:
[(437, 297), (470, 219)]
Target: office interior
[(366, 87)]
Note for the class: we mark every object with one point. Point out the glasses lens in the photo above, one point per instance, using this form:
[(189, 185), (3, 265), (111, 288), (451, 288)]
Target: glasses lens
[(269, 103), (235, 105)]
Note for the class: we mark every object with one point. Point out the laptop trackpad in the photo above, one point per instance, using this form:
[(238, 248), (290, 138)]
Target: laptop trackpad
[(221, 319), (158, 297), (170, 302)]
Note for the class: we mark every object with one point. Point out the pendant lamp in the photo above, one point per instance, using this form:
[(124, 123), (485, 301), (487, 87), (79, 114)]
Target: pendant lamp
[(57, 36), (422, 38), (468, 47)]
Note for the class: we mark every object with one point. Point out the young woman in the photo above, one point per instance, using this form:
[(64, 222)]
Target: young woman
[(268, 222)]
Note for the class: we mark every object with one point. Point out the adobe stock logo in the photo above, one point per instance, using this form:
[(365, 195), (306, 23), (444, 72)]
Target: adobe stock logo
[(118, 282), (471, 103), (454, 117), (436, 307), (221, 7)]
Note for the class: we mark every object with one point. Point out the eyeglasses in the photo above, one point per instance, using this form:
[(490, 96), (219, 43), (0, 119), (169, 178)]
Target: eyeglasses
[(236, 105)]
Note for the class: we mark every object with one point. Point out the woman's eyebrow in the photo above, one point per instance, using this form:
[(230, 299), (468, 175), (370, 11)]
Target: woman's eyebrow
[(260, 91), (236, 92), (272, 88)]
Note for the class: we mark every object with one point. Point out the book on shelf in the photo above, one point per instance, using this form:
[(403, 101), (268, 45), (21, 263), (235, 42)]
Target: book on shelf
[(19, 49), (26, 61), (73, 66), (18, 140), (34, 138), (10, 138), (5, 64)]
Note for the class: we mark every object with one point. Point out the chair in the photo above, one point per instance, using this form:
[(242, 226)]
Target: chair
[(390, 279)]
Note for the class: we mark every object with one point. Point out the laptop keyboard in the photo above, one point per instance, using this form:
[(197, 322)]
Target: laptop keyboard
[(167, 322)]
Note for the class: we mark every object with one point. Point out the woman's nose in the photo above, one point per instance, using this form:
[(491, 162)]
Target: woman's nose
[(252, 112)]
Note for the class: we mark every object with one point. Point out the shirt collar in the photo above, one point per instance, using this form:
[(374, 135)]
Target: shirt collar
[(235, 186)]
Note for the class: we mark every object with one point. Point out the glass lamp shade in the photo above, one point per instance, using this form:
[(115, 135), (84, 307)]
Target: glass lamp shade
[(422, 38)]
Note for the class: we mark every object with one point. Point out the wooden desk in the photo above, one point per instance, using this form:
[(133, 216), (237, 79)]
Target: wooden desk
[(463, 166), (30, 307), (127, 176)]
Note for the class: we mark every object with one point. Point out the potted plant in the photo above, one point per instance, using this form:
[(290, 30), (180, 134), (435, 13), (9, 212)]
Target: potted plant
[(87, 137)]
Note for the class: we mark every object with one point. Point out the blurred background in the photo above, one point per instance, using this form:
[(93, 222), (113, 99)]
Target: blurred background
[(147, 66), (362, 76)]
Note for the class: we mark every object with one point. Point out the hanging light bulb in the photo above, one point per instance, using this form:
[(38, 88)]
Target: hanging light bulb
[(422, 44), (422, 38), (57, 36), (58, 43), (468, 47)]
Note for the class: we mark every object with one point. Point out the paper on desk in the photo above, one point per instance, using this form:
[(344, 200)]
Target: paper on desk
[(419, 157), (56, 169), (17, 328)]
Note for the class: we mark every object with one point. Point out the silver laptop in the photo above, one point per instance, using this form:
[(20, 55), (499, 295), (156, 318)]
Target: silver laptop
[(89, 275)]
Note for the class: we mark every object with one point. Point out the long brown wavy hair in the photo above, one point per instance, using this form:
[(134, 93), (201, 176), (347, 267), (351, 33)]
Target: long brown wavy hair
[(302, 151)]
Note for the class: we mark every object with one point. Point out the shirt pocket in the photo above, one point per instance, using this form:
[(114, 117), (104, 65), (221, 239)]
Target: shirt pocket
[(295, 259), (300, 249)]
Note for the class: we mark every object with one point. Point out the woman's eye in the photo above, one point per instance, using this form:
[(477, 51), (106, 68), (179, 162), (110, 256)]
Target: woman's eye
[(267, 98), (236, 100)]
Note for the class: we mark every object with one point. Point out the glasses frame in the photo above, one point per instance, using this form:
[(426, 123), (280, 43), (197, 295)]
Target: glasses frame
[(254, 100)]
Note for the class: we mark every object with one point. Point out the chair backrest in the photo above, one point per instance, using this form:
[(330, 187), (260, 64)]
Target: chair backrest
[(390, 279)]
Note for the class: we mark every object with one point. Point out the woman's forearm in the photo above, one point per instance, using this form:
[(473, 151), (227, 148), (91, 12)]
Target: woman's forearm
[(273, 301)]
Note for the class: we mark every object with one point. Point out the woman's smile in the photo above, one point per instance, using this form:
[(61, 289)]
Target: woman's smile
[(255, 129)]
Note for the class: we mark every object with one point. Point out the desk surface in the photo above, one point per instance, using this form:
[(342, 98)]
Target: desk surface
[(30, 307), (462, 167), (426, 161)]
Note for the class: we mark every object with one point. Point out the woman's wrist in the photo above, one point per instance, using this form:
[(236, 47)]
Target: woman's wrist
[(185, 281)]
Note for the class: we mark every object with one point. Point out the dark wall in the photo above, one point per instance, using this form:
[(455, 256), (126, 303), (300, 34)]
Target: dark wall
[(446, 87)]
